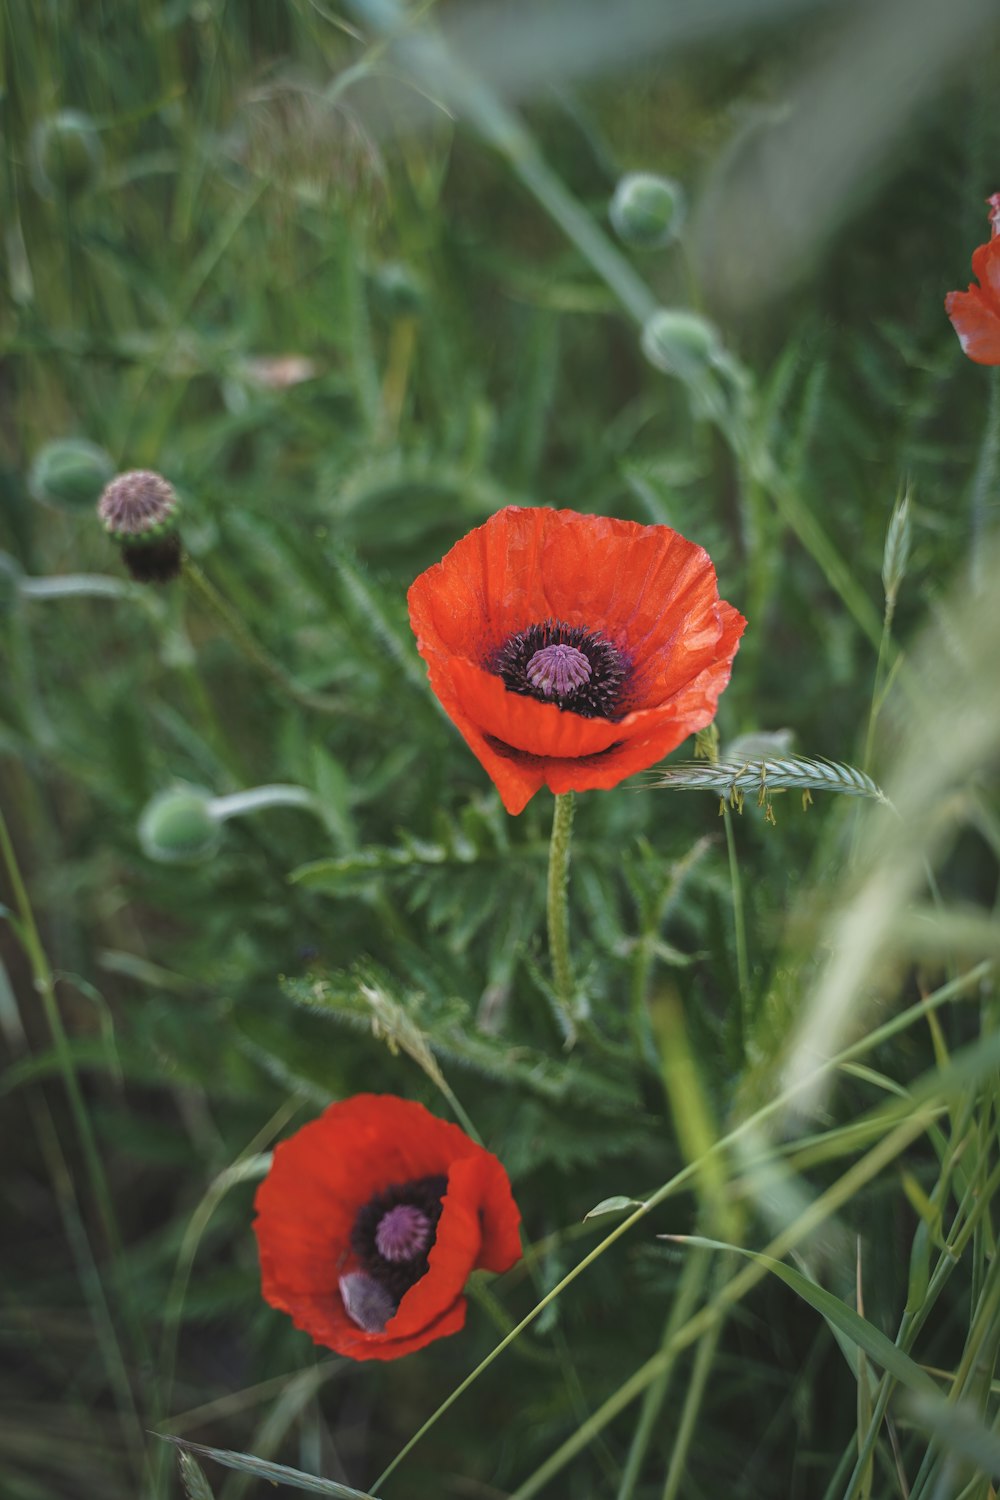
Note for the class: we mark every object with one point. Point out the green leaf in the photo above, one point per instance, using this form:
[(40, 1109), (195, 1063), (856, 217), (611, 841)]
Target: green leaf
[(616, 1205), (842, 1319), (273, 1473)]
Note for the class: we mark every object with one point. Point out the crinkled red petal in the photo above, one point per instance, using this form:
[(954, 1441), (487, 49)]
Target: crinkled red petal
[(977, 323), (986, 269), (648, 590), (322, 1176)]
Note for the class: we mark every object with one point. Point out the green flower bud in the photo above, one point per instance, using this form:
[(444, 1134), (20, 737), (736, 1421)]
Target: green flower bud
[(647, 211), (69, 473), (66, 155), (680, 343), (398, 290), (178, 826)]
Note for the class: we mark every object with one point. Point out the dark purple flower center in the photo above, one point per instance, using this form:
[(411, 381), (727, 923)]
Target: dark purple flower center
[(557, 671), (575, 668), (392, 1239)]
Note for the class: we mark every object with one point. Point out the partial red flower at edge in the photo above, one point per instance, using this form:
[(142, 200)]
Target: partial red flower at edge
[(975, 314), (572, 650), (371, 1220)]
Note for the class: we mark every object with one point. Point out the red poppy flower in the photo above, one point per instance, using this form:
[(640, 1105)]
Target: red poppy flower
[(371, 1220), (976, 313), (571, 650)]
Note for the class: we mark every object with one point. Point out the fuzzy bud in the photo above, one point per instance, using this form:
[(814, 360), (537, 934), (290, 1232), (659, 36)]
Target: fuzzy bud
[(66, 155), (397, 290), (69, 473), (680, 343), (138, 510), (647, 211), (178, 827)]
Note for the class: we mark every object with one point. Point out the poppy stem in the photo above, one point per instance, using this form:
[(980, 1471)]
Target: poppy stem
[(558, 910), (739, 929), (984, 484)]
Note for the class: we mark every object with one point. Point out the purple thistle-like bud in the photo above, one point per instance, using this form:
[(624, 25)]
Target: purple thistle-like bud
[(139, 511), (366, 1301), (558, 670), (402, 1233), (136, 505)]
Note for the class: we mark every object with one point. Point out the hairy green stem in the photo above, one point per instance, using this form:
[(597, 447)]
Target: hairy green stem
[(982, 494), (236, 804), (739, 927), (558, 908)]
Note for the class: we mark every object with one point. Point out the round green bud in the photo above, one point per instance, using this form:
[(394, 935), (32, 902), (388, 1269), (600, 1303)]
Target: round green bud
[(70, 473), (398, 290), (647, 211), (178, 828), (66, 155), (680, 343)]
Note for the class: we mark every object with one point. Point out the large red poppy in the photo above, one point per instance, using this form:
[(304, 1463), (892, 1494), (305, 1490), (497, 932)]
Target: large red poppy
[(371, 1220), (572, 650), (976, 313)]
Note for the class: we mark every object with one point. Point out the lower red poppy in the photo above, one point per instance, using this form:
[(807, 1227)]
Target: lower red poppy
[(371, 1220), (975, 314), (571, 650)]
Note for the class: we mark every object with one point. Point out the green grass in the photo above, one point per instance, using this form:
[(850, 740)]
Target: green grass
[(784, 1020)]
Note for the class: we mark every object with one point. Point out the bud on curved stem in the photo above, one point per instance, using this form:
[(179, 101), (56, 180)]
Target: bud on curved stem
[(182, 824)]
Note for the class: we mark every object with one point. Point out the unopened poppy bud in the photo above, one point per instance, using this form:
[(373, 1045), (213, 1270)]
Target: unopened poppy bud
[(680, 343), (179, 827), (398, 290), (66, 153), (69, 473), (138, 510), (647, 211)]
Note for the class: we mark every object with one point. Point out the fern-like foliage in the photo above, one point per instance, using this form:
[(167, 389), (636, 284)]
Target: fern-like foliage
[(732, 779), (430, 1028)]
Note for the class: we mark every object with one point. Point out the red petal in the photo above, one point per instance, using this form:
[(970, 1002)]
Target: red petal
[(986, 269), (977, 324), (976, 313)]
